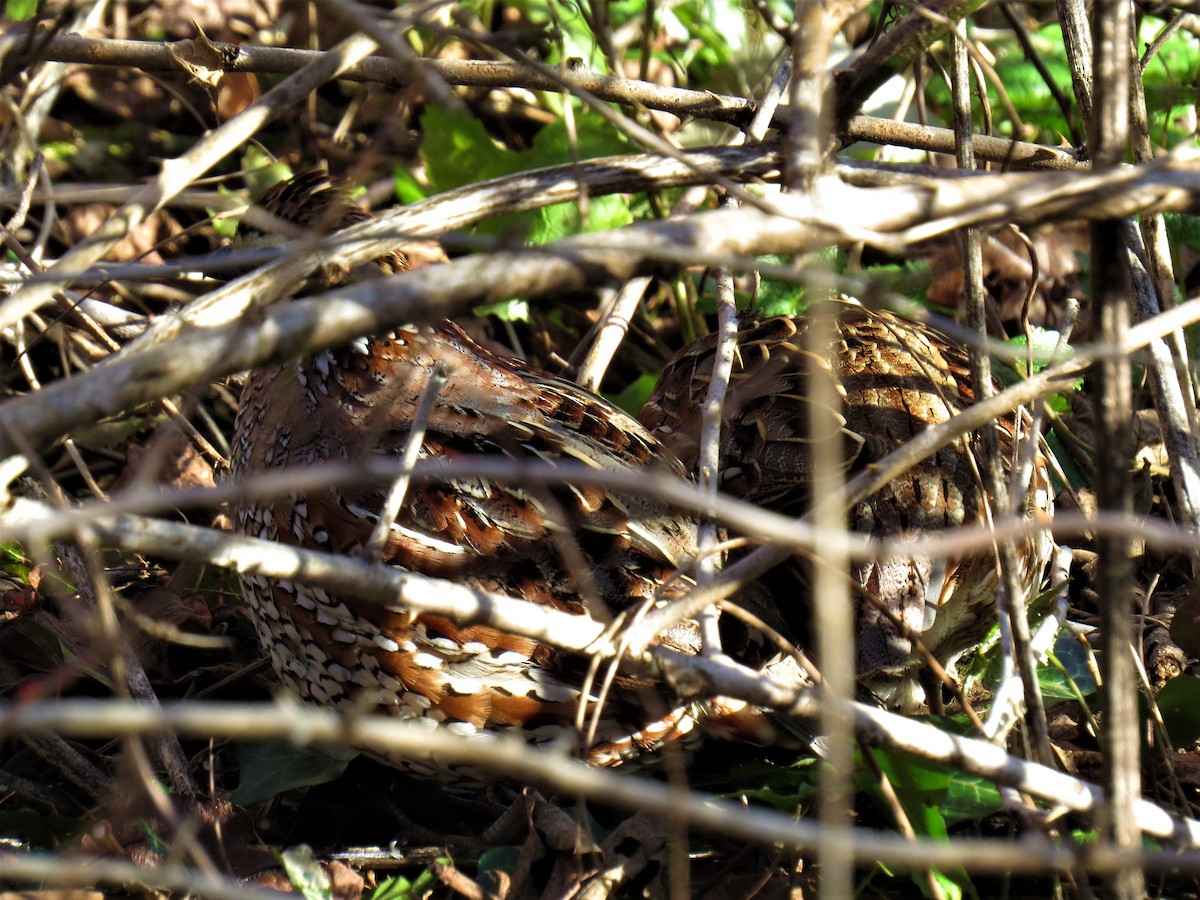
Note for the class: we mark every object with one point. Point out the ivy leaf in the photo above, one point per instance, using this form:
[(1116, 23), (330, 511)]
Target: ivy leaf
[(272, 767), (458, 150), (306, 873), (1179, 704), (20, 10)]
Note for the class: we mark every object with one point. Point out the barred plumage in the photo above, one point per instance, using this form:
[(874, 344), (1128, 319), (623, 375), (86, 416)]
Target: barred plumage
[(575, 547), (896, 378)]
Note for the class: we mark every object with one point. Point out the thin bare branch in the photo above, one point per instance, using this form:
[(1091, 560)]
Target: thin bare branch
[(515, 758), (578, 263), (179, 172)]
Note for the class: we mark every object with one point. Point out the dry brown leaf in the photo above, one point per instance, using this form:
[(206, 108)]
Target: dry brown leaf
[(173, 462), (1185, 624), (79, 222), (202, 60)]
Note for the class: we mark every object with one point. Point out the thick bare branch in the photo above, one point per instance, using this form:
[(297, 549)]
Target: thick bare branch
[(887, 216), (515, 758)]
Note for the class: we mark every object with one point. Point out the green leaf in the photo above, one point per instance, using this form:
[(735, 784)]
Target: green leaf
[(495, 861), (1076, 475), (408, 189), (401, 888), (634, 397), (1069, 676), (14, 563), (12, 553), (911, 278), (427, 880), (781, 298), (571, 32), (1179, 704), (505, 310), (1170, 83), (225, 225), (786, 788), (1065, 676), (922, 789), (61, 151), (920, 786), (306, 873), (398, 888), (1045, 344), (272, 767), (724, 44), (457, 150), (949, 886), (1183, 229), (262, 171), (112, 434), (969, 799), (19, 10)]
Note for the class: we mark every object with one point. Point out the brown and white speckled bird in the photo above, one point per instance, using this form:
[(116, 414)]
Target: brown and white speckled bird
[(897, 378), (358, 402)]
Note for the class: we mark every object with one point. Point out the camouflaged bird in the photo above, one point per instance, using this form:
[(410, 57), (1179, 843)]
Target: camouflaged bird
[(896, 379), (572, 547)]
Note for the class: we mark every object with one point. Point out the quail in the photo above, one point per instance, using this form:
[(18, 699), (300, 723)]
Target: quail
[(574, 547), (897, 377)]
